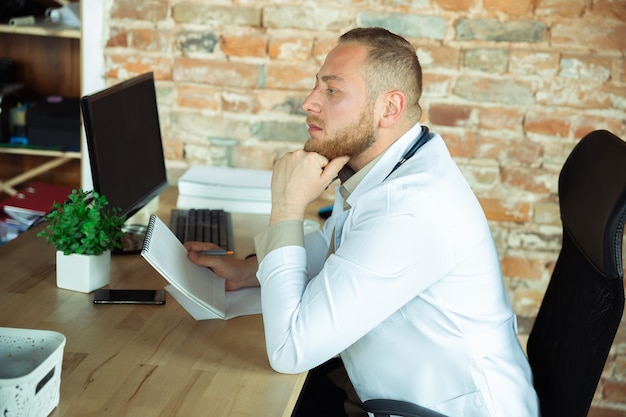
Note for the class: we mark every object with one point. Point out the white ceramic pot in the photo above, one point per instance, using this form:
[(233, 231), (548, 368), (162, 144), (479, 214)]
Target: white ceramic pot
[(83, 273)]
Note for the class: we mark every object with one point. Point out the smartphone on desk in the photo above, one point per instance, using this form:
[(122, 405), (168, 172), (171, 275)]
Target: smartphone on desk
[(129, 296)]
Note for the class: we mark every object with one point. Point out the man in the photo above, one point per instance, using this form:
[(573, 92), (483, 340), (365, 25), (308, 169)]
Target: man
[(403, 282)]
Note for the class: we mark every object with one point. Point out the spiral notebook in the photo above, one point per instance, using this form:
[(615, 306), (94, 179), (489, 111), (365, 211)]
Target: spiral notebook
[(196, 288)]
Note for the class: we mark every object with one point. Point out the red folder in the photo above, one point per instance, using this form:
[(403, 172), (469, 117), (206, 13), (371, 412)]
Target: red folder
[(34, 201)]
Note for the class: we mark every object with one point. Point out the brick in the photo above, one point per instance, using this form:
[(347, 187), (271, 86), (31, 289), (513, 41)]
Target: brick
[(489, 146), (602, 36), (239, 102), (437, 57), (284, 131), (118, 37), (281, 101), (215, 15), (504, 91), (483, 176), (553, 123), (614, 391), (253, 157), (546, 241), (484, 59), (547, 212), (316, 18), (322, 47), (527, 152), (586, 123), (521, 30), (407, 25), (218, 73), (290, 76), (198, 97), (544, 64), (501, 210), (563, 8), (612, 9), (245, 45), (618, 370), (140, 10), (522, 267), (173, 149), (203, 126), (122, 67), (203, 154), (190, 41), (582, 95), (405, 4), (165, 93), (291, 49), (528, 179), (497, 118), (619, 72), (455, 5), (512, 7), (151, 40), (589, 68), (600, 411), (436, 85), (460, 146), (450, 114), (555, 153)]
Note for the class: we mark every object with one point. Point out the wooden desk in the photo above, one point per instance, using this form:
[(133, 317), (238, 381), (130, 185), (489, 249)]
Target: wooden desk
[(143, 360)]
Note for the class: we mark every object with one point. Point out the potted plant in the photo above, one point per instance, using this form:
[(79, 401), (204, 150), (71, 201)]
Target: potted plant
[(84, 231)]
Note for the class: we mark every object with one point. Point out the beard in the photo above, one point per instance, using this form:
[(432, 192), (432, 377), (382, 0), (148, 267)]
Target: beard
[(351, 140)]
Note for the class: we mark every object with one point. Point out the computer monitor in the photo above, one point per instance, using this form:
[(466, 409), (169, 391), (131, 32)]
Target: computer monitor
[(124, 143)]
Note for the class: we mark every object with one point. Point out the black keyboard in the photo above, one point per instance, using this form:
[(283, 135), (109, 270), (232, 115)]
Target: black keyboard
[(203, 225)]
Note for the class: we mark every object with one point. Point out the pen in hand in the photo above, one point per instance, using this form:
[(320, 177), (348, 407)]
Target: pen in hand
[(216, 252)]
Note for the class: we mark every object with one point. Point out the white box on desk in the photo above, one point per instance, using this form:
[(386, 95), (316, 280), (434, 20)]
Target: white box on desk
[(226, 183), (30, 371), (233, 206)]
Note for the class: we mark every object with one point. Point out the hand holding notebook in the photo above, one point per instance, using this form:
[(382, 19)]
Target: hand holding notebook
[(196, 288)]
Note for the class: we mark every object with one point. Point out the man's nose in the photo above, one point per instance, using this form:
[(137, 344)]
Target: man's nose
[(310, 104)]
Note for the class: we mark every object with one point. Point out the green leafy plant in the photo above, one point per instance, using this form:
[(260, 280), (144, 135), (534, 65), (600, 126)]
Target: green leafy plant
[(83, 225)]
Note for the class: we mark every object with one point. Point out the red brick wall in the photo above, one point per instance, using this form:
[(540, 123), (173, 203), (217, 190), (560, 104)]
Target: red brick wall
[(511, 85)]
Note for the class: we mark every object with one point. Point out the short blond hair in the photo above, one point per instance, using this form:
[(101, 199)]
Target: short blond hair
[(392, 64)]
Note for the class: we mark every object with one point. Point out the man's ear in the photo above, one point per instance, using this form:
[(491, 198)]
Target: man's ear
[(394, 102)]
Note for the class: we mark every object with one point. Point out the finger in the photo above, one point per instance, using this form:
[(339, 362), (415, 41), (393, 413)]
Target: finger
[(204, 260), (199, 246), (333, 167)]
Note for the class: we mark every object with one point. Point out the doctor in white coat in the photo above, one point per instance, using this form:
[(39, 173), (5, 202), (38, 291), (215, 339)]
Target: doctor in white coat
[(403, 282)]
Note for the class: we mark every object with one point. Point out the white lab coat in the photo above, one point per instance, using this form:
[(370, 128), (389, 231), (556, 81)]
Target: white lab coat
[(412, 297)]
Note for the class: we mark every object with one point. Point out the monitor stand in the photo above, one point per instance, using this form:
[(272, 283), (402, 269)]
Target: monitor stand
[(132, 241)]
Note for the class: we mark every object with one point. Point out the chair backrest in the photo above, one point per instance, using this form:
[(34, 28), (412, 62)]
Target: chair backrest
[(583, 304)]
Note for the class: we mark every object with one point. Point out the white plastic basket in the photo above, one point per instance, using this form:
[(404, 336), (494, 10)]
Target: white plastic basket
[(30, 371)]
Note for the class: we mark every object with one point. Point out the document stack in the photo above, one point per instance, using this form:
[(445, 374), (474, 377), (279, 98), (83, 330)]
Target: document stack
[(231, 189)]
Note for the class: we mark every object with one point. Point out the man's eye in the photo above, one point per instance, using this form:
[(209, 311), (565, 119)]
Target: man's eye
[(331, 91)]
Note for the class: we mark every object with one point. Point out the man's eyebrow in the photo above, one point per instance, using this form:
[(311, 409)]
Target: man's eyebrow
[(327, 78)]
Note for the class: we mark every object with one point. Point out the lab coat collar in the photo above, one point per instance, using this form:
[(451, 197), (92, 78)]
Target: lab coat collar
[(383, 164)]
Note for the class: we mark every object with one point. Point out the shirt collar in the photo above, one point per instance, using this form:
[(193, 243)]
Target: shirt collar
[(350, 179)]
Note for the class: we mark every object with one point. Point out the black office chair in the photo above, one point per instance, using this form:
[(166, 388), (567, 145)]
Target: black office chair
[(583, 304)]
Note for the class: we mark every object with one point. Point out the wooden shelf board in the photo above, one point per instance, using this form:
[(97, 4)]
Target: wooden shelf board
[(42, 28), (41, 152)]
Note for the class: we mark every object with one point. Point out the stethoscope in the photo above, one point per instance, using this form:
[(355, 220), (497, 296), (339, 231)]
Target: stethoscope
[(421, 141), (424, 137)]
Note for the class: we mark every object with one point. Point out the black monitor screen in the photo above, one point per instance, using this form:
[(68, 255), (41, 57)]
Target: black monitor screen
[(124, 143)]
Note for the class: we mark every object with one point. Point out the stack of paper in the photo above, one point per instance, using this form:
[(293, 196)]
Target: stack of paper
[(231, 189)]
